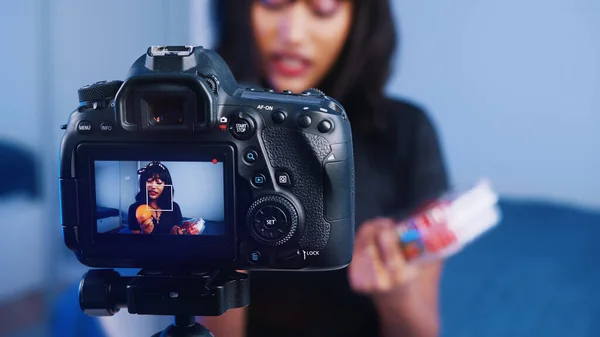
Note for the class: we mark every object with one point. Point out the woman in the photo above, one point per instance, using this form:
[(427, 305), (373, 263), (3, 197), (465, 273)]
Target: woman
[(154, 211), (345, 48)]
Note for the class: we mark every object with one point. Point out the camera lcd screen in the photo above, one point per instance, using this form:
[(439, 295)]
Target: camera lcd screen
[(160, 197)]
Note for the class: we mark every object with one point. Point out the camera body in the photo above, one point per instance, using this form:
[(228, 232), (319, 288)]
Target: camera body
[(265, 179)]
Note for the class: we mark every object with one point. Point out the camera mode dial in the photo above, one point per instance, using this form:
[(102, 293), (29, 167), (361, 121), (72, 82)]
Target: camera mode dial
[(272, 220), (99, 91)]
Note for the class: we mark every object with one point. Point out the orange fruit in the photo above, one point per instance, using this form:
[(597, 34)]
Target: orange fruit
[(143, 213)]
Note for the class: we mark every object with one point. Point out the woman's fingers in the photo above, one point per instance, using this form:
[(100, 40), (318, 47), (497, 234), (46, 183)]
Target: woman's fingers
[(367, 271), (387, 244), (359, 269), (391, 254), (148, 226), (363, 236), (378, 265)]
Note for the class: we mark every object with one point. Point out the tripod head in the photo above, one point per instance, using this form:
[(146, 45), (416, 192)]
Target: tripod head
[(103, 292)]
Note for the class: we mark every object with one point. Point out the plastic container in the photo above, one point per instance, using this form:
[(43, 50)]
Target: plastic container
[(193, 226), (445, 226)]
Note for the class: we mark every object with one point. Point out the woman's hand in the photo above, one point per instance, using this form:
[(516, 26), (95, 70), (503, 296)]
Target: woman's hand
[(176, 230), (147, 226), (404, 294), (378, 266)]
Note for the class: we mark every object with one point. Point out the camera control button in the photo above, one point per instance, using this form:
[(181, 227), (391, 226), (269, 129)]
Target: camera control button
[(305, 121), (106, 127), (250, 156), (84, 127), (278, 117), (270, 222), (283, 179), (242, 127), (254, 257), (325, 126), (259, 180)]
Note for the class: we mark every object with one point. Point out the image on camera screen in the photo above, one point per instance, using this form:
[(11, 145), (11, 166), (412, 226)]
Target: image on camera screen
[(153, 197)]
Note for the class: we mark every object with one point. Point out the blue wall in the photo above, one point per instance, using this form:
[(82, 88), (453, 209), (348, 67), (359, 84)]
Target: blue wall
[(514, 89), (25, 223)]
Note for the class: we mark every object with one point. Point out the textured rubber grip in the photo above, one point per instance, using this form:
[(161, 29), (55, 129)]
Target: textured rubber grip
[(302, 155)]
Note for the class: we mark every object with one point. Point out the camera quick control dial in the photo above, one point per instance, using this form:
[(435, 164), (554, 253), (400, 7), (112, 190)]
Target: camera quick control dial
[(272, 220), (99, 91)]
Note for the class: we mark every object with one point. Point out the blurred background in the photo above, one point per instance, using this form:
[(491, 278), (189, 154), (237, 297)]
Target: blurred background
[(512, 87)]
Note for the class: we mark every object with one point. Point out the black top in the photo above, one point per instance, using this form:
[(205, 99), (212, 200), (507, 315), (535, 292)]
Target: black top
[(168, 219), (394, 173)]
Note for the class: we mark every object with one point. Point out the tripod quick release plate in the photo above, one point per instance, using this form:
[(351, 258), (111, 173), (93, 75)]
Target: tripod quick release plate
[(103, 292)]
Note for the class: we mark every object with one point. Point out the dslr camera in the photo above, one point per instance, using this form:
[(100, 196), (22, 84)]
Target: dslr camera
[(178, 167)]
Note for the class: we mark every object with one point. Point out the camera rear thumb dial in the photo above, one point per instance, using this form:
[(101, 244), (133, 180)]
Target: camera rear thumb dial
[(272, 220)]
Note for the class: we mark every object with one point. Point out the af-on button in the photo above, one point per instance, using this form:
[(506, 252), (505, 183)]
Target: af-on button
[(279, 116)]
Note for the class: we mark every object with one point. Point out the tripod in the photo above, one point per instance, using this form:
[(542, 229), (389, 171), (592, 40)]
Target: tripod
[(103, 292)]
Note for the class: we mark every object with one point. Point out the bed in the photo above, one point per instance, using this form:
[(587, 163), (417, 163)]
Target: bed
[(108, 219)]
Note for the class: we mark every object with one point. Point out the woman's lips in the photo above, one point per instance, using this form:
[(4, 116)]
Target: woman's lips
[(153, 193), (290, 64)]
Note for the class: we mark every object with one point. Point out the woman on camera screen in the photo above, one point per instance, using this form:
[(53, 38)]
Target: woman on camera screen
[(154, 211), (345, 48)]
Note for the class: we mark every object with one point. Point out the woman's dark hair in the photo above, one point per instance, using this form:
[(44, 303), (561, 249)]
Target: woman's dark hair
[(155, 169), (357, 79)]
